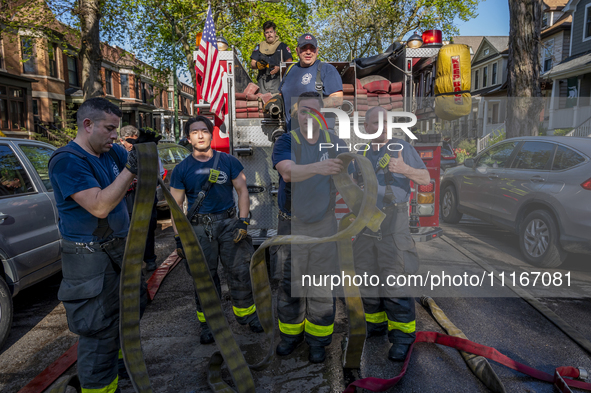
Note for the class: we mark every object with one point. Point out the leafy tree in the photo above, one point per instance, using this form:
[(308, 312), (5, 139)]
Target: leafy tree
[(363, 28), (523, 78)]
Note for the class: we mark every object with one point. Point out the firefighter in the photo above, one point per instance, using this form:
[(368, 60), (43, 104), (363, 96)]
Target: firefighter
[(221, 232), (382, 253), (307, 208), (90, 177), (267, 56), (126, 133), (310, 74)]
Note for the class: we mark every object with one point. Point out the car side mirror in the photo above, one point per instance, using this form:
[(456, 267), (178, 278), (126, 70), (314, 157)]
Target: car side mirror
[(469, 162)]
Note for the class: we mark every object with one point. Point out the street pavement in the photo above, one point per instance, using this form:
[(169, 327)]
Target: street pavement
[(177, 362)]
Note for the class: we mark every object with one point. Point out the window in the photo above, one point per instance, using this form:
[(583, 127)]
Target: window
[(124, 85), (17, 115), (485, 76), (73, 71), (108, 82), (28, 55), (144, 92), (2, 54), (547, 55), (170, 103), (545, 19), (494, 74), (534, 155), (13, 177), (56, 110), (52, 59), (476, 80), (496, 156), (4, 114), (138, 84), (39, 157), (566, 158), (587, 24), (36, 107)]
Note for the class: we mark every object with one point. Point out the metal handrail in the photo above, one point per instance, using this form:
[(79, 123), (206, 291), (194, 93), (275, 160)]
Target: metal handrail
[(484, 142), (584, 129)]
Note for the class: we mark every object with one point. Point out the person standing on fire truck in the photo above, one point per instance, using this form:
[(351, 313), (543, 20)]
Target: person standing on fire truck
[(212, 213), (307, 208), (382, 253), (310, 74), (266, 58), (90, 177)]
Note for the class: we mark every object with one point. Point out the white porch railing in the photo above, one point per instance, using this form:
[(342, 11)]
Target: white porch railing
[(583, 130), (485, 141)]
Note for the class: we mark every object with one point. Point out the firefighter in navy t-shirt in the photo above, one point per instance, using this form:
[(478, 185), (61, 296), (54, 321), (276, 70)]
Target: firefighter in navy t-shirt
[(306, 202), (267, 57), (381, 253), (220, 231), (301, 77)]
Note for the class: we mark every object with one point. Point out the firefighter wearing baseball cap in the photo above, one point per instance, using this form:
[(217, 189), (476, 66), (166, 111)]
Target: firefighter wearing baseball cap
[(208, 178), (267, 56), (382, 253), (310, 74)]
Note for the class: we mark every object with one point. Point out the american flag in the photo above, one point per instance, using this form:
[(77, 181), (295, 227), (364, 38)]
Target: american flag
[(208, 67)]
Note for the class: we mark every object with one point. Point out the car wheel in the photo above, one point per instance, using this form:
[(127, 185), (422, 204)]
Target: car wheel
[(5, 311), (449, 206), (539, 240)]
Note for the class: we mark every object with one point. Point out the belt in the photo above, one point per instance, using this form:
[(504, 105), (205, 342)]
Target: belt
[(393, 205), (208, 218), (284, 216)]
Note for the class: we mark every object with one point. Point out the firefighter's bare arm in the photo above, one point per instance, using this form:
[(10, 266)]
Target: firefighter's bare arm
[(243, 201), (296, 173), (419, 176), (179, 197), (253, 64), (334, 100), (100, 202)]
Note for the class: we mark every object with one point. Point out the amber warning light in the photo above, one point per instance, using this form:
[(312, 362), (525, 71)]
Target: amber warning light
[(431, 37)]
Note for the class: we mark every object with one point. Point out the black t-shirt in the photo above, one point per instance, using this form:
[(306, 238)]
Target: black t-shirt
[(273, 60)]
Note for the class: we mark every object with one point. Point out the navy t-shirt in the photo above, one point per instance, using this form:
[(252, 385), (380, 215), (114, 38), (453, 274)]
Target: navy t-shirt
[(71, 174), (300, 80), (272, 60), (400, 184), (190, 175), (311, 198)]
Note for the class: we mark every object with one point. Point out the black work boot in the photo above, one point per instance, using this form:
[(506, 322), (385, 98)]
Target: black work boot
[(255, 325), (398, 352), (288, 344), (317, 354), (206, 335)]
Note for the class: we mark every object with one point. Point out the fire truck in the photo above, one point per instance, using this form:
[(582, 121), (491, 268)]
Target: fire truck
[(249, 133)]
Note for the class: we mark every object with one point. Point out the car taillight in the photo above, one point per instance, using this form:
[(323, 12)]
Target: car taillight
[(586, 184), (164, 175)]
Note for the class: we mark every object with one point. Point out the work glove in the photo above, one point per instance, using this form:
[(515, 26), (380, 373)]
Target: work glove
[(240, 230), (261, 65), (131, 164), (180, 251), (145, 137)]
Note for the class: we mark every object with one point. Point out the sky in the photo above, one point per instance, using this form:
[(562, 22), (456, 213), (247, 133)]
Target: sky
[(492, 19)]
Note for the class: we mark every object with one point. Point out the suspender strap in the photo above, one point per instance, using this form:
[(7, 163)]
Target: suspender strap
[(319, 86), (212, 179)]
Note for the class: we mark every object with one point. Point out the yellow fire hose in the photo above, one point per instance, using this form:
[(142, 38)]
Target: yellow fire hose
[(477, 364)]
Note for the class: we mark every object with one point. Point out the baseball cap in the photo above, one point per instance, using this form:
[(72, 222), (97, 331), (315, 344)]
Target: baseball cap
[(306, 39)]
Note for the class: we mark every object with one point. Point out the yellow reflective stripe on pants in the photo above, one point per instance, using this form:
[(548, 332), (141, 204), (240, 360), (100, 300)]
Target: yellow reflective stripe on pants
[(291, 328), (120, 354), (406, 327), (200, 316), (317, 330), (242, 312), (111, 388), (378, 317)]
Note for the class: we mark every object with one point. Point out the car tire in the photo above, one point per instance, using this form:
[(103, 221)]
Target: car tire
[(539, 240), (6, 311), (449, 206)]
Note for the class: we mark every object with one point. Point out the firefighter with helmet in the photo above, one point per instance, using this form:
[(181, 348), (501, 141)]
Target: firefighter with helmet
[(382, 253)]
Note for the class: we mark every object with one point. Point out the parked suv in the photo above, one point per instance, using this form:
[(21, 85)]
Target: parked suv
[(537, 187), (30, 241)]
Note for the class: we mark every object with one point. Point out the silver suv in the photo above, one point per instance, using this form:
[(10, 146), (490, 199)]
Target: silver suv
[(29, 237), (537, 187)]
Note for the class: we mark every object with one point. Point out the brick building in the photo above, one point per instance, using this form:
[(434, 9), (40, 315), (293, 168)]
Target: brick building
[(40, 83)]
